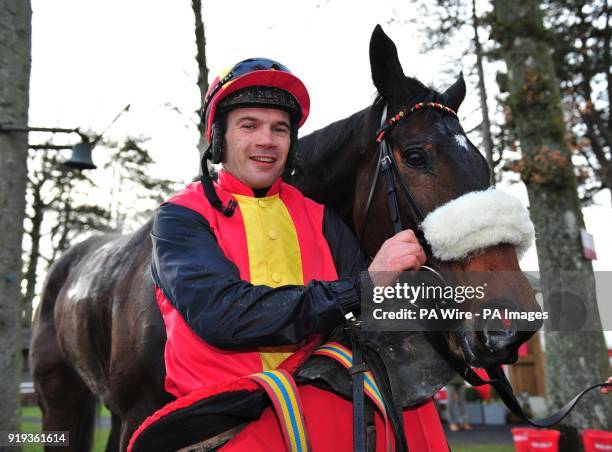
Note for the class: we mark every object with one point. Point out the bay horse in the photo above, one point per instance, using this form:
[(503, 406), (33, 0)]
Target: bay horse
[(98, 333)]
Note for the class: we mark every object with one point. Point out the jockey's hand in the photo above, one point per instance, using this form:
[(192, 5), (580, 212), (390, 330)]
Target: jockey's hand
[(607, 389), (401, 252)]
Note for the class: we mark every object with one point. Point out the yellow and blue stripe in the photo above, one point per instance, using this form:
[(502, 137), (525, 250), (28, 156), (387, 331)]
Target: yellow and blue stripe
[(280, 387), (344, 356)]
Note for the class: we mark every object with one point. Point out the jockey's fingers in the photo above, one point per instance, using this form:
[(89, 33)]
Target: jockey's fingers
[(414, 249), (407, 235), (421, 255), (410, 262), (399, 255)]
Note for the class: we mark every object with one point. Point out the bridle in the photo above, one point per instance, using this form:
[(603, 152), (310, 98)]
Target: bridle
[(388, 167)]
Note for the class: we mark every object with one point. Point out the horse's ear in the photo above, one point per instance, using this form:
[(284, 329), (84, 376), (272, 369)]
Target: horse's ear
[(455, 93), (387, 72)]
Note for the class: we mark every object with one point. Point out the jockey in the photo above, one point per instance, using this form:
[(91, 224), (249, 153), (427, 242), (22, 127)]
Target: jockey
[(249, 272)]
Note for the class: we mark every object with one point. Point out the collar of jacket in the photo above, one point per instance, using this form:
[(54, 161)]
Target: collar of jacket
[(233, 185)]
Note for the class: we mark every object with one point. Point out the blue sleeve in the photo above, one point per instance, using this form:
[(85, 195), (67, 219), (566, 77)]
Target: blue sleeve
[(225, 311)]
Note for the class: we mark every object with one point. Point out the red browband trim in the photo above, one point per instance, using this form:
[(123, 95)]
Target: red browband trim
[(393, 120)]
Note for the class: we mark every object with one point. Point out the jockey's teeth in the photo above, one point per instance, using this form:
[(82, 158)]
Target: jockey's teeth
[(264, 159)]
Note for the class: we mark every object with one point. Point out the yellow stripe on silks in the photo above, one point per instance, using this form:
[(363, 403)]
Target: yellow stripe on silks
[(274, 255), (344, 356), (290, 409)]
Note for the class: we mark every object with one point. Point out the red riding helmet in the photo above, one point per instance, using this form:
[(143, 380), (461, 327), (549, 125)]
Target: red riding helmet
[(256, 72)]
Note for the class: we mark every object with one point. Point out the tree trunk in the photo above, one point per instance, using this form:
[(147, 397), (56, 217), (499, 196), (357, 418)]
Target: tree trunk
[(31, 274), (487, 140), (574, 360), (200, 36), (15, 36), (605, 163), (608, 60)]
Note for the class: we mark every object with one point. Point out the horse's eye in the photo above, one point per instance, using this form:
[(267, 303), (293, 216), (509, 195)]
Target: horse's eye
[(416, 158)]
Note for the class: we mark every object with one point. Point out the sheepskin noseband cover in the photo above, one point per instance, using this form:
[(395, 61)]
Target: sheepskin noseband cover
[(475, 221)]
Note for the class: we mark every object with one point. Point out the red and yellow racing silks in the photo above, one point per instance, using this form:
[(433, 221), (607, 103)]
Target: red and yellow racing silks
[(275, 240)]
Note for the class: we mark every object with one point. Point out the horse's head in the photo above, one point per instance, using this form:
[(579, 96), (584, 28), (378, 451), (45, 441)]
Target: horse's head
[(469, 228)]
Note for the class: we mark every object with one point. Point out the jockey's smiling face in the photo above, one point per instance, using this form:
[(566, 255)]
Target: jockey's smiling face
[(256, 145)]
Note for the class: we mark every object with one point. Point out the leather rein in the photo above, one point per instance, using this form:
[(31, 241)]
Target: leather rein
[(388, 167)]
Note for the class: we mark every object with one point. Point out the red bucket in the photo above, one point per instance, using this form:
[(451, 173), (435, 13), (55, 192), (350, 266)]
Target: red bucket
[(519, 435), (543, 440), (597, 440)]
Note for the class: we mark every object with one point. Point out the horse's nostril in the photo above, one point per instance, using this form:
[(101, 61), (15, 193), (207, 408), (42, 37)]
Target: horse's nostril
[(506, 315), (497, 328), (497, 340)]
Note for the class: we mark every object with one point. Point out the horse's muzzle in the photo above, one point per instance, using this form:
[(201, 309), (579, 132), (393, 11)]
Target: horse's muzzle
[(501, 329)]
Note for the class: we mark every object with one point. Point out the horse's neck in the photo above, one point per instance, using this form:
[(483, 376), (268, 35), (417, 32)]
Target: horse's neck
[(135, 242), (328, 160)]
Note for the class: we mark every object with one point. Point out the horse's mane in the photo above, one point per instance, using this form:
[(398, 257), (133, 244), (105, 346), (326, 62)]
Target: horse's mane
[(317, 145), (141, 234)]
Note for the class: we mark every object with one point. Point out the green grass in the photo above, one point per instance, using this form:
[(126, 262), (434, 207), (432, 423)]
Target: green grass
[(34, 411), (30, 411), (27, 427), (100, 439), (100, 435)]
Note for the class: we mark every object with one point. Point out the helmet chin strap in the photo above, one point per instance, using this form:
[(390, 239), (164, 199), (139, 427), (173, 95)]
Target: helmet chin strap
[(215, 149), (209, 188)]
